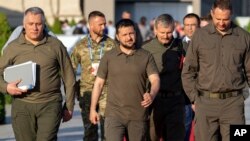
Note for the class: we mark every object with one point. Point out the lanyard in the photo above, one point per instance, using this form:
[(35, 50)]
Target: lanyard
[(90, 49)]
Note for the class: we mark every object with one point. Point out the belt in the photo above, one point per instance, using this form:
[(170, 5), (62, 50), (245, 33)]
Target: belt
[(220, 95), (167, 94)]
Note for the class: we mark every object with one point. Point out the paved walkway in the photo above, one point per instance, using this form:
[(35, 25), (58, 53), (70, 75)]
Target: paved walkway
[(73, 130)]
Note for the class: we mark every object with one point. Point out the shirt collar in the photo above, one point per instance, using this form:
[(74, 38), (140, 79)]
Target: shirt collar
[(158, 44), (104, 37), (119, 51), (186, 39), (22, 39), (232, 30)]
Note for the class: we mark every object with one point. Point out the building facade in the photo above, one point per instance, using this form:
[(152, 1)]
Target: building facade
[(78, 9), (177, 8), (64, 9)]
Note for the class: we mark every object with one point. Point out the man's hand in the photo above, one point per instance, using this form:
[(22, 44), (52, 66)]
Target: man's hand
[(67, 115), (94, 117), (12, 88), (193, 107), (147, 100)]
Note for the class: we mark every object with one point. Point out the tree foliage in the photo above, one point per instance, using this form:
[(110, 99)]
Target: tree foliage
[(72, 22), (5, 30), (56, 27), (248, 27)]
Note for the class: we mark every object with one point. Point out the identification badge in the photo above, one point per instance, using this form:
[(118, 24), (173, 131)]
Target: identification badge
[(94, 68)]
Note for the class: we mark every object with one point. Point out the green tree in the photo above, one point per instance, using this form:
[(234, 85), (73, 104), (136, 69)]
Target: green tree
[(72, 22), (56, 27), (5, 32), (248, 27)]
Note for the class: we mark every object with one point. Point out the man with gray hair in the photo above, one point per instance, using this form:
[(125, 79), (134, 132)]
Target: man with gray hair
[(167, 118), (18, 31), (37, 113)]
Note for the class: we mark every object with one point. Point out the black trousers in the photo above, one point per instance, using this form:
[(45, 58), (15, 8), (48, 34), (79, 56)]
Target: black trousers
[(167, 119)]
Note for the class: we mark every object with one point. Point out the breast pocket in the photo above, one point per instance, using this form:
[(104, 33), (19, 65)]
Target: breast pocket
[(237, 55), (208, 54)]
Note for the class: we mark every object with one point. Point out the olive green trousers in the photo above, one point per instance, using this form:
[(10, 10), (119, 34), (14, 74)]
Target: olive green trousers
[(36, 121)]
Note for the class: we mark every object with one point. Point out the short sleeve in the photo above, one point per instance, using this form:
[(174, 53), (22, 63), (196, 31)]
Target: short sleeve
[(103, 67), (151, 67)]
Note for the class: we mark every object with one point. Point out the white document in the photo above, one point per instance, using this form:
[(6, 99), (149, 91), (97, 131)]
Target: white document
[(26, 72)]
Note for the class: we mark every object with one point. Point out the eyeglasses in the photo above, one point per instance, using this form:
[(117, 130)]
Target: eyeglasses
[(190, 24)]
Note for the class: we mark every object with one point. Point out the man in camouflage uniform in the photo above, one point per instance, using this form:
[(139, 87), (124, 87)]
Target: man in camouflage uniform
[(88, 53)]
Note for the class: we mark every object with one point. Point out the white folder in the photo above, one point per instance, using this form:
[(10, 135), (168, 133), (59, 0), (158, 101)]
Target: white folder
[(26, 72)]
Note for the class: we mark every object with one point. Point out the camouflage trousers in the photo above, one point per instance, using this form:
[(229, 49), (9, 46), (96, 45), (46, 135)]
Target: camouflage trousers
[(91, 130), (2, 108)]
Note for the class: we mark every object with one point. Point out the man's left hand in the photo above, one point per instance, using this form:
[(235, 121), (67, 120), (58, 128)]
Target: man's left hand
[(67, 115), (147, 100)]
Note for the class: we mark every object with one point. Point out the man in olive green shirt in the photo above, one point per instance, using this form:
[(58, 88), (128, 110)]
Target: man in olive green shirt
[(216, 69), (88, 53), (126, 68), (37, 113), (167, 117)]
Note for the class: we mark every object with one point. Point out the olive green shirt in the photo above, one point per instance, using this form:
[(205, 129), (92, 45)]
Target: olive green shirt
[(81, 55), (53, 63), (215, 62), (168, 61), (127, 75)]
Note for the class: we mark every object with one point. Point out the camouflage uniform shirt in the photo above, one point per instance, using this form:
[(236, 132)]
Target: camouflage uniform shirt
[(82, 55)]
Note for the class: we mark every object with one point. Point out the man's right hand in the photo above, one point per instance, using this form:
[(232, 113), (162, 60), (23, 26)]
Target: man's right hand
[(94, 117), (12, 88)]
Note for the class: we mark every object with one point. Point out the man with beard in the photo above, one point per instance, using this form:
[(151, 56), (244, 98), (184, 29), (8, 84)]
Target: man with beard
[(88, 53), (127, 69), (139, 40), (216, 69), (167, 118)]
